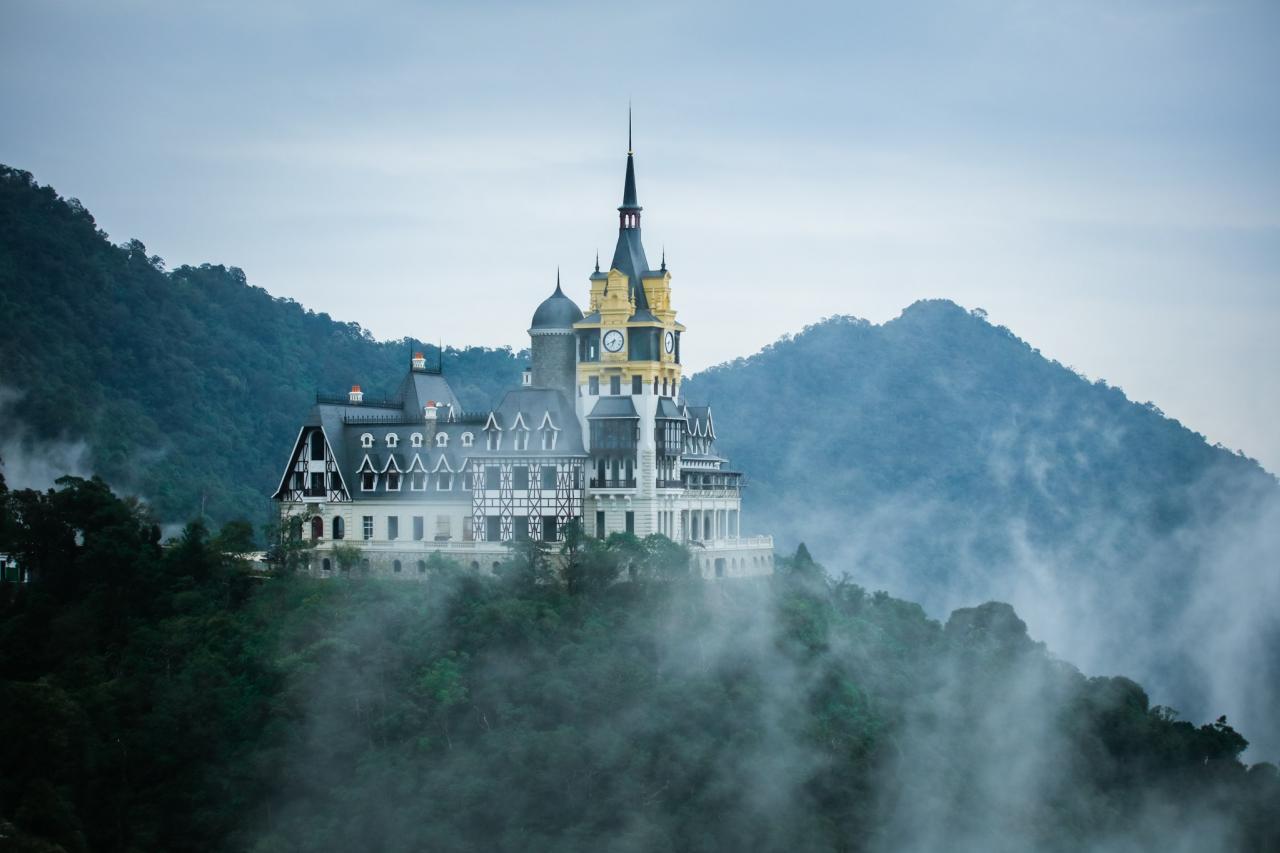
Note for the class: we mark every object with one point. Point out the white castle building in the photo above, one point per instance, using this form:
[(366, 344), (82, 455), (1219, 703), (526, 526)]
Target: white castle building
[(598, 434)]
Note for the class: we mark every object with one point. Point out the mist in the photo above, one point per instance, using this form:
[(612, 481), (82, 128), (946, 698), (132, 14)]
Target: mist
[(29, 461)]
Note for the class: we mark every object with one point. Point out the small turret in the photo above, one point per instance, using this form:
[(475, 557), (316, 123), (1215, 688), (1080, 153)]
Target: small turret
[(356, 396), (553, 351)]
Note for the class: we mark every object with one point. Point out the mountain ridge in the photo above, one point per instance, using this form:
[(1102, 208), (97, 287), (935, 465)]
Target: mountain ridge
[(935, 455)]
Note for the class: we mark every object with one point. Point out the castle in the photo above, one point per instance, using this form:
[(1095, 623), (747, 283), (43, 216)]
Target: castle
[(598, 434)]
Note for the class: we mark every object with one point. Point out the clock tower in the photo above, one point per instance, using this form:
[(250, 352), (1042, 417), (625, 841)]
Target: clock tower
[(628, 379)]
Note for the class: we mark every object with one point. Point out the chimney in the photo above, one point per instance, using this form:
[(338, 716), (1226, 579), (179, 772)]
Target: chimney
[(419, 361), (356, 395), (429, 413)]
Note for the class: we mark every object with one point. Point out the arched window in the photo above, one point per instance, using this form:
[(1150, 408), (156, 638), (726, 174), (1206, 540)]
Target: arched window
[(338, 531), (366, 440), (468, 439), (442, 439), (395, 566), (475, 564), (422, 567), (393, 440), (325, 565), (416, 439), (317, 528)]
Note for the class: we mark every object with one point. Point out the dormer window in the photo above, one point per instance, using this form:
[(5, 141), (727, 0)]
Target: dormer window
[(368, 481), (468, 439), (442, 440), (549, 432), (493, 440), (415, 440), (418, 481), (393, 481), (366, 440), (393, 440), (522, 439), (444, 481)]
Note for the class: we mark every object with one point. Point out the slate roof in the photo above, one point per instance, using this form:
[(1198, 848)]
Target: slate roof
[(557, 311), (629, 258), (668, 410), (345, 424), (614, 407)]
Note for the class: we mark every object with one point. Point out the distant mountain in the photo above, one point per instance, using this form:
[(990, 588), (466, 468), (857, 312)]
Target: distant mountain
[(184, 387), (936, 456), (943, 458)]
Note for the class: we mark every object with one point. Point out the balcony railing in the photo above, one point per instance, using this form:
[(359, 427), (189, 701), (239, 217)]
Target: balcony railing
[(669, 484), (607, 483)]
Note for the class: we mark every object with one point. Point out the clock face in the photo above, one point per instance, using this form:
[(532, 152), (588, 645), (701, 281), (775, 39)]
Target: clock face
[(671, 342), (613, 340)]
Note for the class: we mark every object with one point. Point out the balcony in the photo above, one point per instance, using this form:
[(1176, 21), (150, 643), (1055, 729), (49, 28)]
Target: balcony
[(607, 483), (669, 484)]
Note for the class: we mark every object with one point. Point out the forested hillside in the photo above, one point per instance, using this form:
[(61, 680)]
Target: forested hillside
[(937, 456), (943, 458), (167, 699), (185, 387)]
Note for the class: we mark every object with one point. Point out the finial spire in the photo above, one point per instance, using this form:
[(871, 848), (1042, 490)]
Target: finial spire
[(597, 260), (558, 278), (629, 127), (664, 257)]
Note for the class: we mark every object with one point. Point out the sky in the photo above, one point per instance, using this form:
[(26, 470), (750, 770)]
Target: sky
[(1103, 178)]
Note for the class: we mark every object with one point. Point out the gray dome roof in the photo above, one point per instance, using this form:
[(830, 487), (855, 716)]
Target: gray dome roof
[(556, 312)]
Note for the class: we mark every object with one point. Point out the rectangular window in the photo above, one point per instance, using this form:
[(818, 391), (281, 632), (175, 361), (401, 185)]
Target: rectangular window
[(637, 385), (520, 477), (631, 522), (468, 531), (393, 481), (520, 527), (417, 528), (655, 386), (418, 481), (600, 524), (444, 481), (368, 481), (444, 530), (492, 528), (548, 528), (593, 385), (522, 439), (393, 527), (493, 439), (492, 477), (615, 385), (549, 478), (549, 439), (367, 526)]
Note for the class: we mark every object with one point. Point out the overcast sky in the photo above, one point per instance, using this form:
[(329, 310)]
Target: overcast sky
[(1103, 178)]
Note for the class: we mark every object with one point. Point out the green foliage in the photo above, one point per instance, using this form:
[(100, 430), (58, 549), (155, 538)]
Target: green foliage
[(165, 698), (191, 371)]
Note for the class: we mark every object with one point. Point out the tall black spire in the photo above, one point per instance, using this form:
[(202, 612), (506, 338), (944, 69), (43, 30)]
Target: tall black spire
[(629, 213), (628, 256)]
